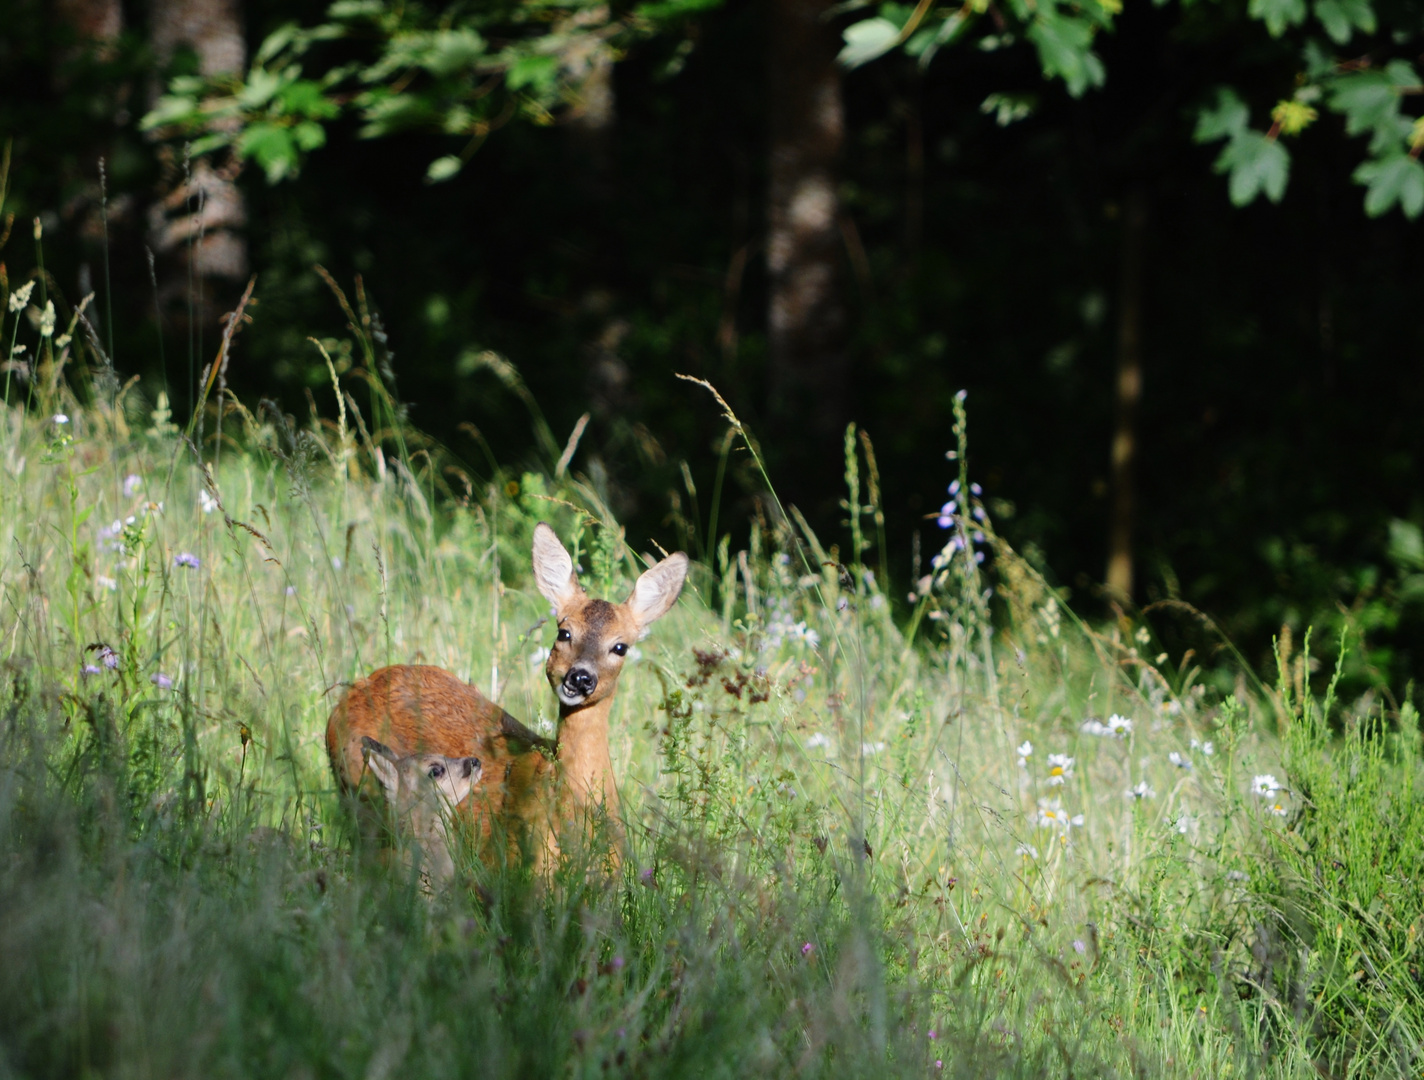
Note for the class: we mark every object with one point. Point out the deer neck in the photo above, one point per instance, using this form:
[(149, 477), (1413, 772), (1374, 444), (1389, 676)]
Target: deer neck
[(583, 754)]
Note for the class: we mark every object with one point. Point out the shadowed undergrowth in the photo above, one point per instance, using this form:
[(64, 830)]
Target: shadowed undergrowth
[(984, 841)]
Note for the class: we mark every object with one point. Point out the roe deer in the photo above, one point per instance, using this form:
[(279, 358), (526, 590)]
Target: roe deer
[(426, 709), (423, 790)]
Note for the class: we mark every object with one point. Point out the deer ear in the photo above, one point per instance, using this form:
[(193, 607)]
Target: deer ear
[(381, 760), (553, 568), (658, 588)]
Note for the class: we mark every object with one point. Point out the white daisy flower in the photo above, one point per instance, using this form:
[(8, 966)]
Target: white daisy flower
[(1119, 725), (1060, 768), (1179, 761), (1094, 727), (1052, 814), (1265, 785), (1028, 851), (1025, 752), (1141, 791)]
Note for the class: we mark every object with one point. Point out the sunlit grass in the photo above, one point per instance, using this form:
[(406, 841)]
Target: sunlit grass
[(849, 849)]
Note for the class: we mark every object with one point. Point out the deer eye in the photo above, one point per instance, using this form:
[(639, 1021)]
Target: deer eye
[(564, 635), (620, 649), (436, 771)]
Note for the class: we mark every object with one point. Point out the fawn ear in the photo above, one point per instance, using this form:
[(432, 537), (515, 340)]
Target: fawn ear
[(554, 569), (381, 760), (658, 589), (460, 778)]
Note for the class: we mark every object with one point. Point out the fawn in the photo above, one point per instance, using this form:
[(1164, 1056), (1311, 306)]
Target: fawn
[(533, 785), (423, 790)]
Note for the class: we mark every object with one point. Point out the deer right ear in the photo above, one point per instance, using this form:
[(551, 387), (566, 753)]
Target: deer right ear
[(554, 568), (381, 760)]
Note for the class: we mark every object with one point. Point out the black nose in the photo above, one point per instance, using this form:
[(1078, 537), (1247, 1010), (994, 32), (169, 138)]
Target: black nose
[(581, 681)]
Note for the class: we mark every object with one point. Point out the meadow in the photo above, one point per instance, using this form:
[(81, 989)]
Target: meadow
[(960, 833)]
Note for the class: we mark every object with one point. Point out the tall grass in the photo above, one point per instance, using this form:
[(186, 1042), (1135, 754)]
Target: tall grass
[(842, 857)]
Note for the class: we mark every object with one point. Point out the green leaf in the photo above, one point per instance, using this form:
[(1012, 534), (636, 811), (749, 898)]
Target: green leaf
[(1226, 121), (1256, 164), (1065, 49), (1406, 545), (1342, 17), (274, 43), (259, 89), (309, 135), (385, 113), (305, 97), (272, 147), (442, 168), (1278, 14), (1398, 178), (669, 10), (452, 51), (355, 9), (867, 39), (1367, 99), (538, 73), (947, 32), (208, 143), (170, 109)]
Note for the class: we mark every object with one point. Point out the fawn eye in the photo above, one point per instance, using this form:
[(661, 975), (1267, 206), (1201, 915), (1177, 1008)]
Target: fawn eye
[(620, 649), (564, 635), (437, 771)]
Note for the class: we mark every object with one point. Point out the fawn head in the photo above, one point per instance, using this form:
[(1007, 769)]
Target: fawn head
[(594, 635), (421, 790)]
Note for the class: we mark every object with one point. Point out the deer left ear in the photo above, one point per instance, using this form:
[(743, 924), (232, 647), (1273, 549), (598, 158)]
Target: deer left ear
[(658, 589), (382, 762)]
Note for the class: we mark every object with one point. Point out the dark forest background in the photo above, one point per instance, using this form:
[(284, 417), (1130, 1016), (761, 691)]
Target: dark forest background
[(1278, 436)]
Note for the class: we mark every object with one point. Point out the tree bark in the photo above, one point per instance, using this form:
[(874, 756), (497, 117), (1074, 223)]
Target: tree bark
[(1129, 393), (195, 226), (805, 319), (92, 20)]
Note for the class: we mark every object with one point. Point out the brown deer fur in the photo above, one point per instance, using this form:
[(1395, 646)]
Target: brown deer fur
[(423, 709)]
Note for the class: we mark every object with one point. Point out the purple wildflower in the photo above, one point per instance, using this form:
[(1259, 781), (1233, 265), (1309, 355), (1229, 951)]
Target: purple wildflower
[(807, 949), (186, 558), (89, 669), (162, 681)]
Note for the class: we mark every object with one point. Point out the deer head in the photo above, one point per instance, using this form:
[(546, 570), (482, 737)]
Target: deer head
[(422, 790), (594, 636)]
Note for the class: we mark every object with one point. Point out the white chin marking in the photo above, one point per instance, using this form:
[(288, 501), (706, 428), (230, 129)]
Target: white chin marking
[(571, 699)]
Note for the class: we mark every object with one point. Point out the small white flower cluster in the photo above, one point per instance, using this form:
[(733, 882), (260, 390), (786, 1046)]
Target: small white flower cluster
[(1025, 752), (782, 627), (1116, 727)]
